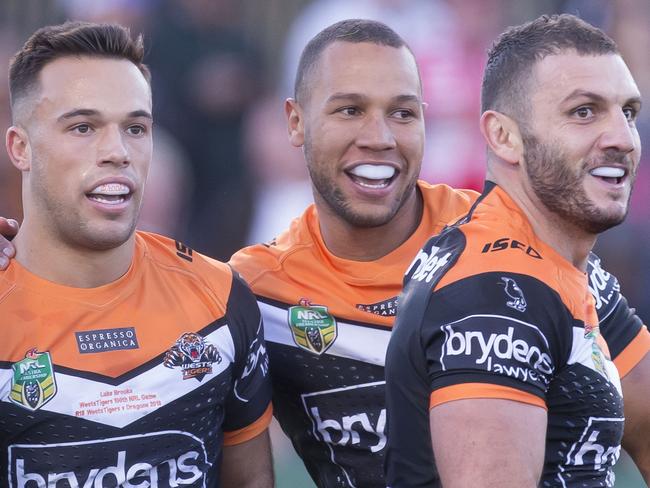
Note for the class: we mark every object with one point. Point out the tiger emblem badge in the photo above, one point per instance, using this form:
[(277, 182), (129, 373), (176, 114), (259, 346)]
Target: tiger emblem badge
[(193, 355)]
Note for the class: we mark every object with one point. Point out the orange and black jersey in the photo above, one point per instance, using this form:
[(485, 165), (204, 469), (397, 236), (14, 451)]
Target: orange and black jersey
[(490, 311), (327, 324), (136, 383)]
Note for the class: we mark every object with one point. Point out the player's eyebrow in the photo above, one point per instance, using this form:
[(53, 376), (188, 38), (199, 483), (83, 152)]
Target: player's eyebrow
[(596, 97), (407, 99), (339, 96), (359, 97), (85, 112), (88, 112), (140, 113)]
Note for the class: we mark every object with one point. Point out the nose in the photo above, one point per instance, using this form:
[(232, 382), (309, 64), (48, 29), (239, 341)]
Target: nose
[(619, 134), (112, 148), (375, 133)]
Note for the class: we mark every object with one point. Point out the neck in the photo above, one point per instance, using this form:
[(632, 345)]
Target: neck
[(58, 262), (568, 240), (348, 241)]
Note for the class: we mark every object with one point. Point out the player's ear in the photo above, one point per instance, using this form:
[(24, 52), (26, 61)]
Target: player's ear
[(18, 148), (502, 135), (295, 124)]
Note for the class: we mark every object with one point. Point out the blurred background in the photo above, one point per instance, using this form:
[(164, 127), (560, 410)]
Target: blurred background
[(224, 173)]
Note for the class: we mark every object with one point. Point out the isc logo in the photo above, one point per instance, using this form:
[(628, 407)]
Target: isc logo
[(507, 243)]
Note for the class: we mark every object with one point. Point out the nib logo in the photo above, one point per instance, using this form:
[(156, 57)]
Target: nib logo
[(348, 430), (351, 423)]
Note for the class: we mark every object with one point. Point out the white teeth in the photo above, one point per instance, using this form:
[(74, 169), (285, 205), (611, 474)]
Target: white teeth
[(111, 189), (380, 185), (608, 172), (100, 199), (373, 171)]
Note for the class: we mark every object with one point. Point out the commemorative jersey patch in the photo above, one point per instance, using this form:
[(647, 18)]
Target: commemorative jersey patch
[(385, 308), (105, 340), (194, 355), (313, 328), (32, 382)]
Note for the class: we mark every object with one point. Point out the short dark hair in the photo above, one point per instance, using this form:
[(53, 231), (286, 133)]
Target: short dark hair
[(351, 30), (71, 39), (514, 53)]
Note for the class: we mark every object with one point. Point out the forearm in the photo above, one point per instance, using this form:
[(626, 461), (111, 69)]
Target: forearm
[(249, 464)]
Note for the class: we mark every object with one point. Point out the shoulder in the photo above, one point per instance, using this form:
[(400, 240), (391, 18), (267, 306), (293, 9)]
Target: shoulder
[(7, 282), (495, 245), (447, 201), (604, 287), (259, 260), (173, 263)]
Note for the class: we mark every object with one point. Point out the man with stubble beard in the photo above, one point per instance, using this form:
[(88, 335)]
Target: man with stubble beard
[(497, 372)]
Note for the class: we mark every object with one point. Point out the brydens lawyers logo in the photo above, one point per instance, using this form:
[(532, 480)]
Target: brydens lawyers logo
[(313, 327), (194, 355), (32, 384)]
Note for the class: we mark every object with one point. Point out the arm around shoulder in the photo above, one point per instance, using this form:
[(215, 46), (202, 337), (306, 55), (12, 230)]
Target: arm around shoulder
[(8, 230)]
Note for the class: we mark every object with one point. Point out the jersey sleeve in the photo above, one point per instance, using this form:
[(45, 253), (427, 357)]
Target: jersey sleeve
[(248, 409), (626, 336), (494, 335)]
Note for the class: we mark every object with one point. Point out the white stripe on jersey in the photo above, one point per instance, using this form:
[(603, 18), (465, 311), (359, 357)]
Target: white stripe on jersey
[(356, 342), (97, 402), (582, 352)]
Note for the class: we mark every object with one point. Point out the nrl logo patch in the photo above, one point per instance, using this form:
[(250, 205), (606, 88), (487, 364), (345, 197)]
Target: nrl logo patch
[(313, 327), (194, 355), (599, 348), (32, 384)]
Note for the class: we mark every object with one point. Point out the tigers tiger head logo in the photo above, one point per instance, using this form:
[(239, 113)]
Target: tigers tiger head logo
[(192, 346), (193, 354)]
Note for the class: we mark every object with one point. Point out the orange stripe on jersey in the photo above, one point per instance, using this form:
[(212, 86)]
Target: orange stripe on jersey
[(467, 391), (633, 353), (251, 431), (284, 270), (504, 241)]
